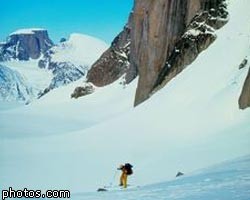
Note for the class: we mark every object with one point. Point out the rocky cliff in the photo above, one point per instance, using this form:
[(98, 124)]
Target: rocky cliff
[(25, 44), (244, 101), (168, 35), (115, 62), (160, 40)]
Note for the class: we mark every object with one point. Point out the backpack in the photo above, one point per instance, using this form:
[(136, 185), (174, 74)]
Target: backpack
[(128, 168)]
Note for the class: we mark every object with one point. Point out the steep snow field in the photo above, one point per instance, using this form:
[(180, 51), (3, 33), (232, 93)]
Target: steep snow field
[(229, 180), (12, 86), (192, 123), (36, 78)]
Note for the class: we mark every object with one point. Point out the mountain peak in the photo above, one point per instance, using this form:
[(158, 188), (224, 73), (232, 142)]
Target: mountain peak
[(25, 44), (77, 49), (85, 39)]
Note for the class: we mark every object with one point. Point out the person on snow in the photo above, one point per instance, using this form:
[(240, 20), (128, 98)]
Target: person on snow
[(126, 171)]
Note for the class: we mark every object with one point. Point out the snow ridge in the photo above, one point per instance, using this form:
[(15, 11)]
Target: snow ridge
[(79, 50)]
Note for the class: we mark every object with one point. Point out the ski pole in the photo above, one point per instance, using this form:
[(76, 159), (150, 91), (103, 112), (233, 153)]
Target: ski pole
[(113, 179)]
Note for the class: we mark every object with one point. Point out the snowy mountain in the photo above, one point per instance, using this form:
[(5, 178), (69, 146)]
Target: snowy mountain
[(46, 66), (13, 87), (79, 49), (25, 44), (71, 59)]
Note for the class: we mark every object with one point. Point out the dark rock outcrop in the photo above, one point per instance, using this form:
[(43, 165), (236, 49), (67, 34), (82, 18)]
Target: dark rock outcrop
[(244, 100), (29, 44), (179, 174), (82, 91), (243, 64), (163, 42), (63, 74), (102, 190), (63, 40), (114, 63)]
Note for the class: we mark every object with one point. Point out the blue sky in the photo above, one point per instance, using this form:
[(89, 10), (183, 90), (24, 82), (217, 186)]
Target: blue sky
[(99, 18)]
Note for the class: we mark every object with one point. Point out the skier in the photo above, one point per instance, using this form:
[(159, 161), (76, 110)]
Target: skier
[(126, 171)]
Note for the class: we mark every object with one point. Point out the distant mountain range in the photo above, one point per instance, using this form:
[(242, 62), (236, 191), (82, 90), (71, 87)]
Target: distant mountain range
[(156, 55), (64, 63)]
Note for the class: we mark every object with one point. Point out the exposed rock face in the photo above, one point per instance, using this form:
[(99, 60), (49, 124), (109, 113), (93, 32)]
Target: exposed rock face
[(26, 44), (63, 40), (161, 39), (198, 37), (160, 47), (244, 101), (243, 64), (82, 91), (115, 61), (64, 73), (179, 174), (102, 190)]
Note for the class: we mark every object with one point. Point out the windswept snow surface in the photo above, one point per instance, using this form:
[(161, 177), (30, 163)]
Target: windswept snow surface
[(190, 124), (27, 31), (79, 49), (227, 181)]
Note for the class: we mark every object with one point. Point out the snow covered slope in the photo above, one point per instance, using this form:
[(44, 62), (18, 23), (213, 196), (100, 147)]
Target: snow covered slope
[(13, 87), (38, 79), (192, 123), (57, 113), (227, 181), (79, 49)]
